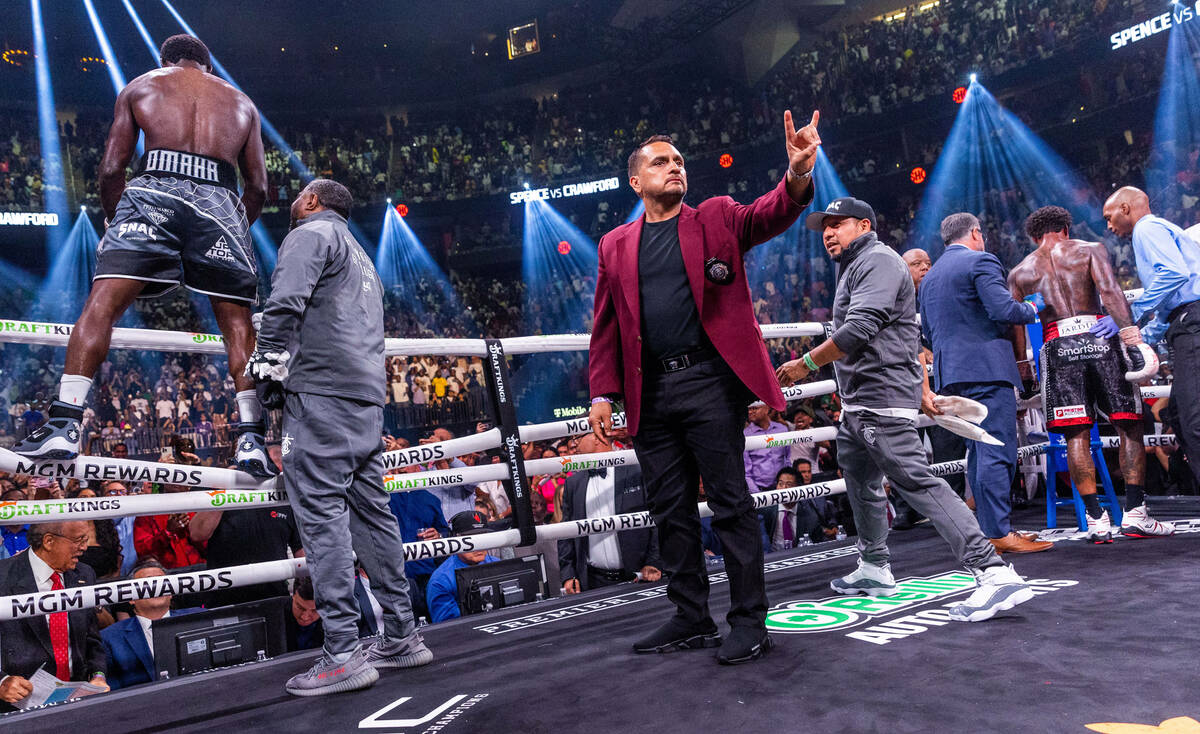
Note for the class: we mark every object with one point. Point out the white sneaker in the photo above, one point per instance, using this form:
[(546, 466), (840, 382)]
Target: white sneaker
[(1099, 529), (998, 588), (867, 579), (1137, 523)]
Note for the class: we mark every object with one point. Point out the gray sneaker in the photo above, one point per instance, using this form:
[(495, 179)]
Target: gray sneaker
[(409, 652), (326, 676), (252, 452), (867, 579), (55, 440), (998, 588)]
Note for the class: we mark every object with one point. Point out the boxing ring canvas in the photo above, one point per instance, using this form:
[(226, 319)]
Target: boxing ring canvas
[(1109, 638)]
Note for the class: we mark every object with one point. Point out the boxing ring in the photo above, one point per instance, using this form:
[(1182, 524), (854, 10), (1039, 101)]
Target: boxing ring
[(596, 623)]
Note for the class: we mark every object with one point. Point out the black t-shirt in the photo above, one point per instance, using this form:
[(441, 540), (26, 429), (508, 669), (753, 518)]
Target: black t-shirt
[(252, 535), (670, 321)]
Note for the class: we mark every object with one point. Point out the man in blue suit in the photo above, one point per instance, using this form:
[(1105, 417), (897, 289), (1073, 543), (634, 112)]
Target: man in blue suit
[(967, 314), (129, 643)]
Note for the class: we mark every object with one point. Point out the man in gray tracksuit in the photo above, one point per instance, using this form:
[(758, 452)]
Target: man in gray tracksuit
[(874, 352), (320, 354)]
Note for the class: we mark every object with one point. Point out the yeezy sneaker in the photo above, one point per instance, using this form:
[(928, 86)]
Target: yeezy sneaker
[(409, 652), (327, 676)]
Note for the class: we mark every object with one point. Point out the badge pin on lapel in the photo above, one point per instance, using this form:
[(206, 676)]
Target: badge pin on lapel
[(718, 271)]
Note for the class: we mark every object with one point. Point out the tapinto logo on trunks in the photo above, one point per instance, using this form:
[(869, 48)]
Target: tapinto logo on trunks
[(220, 251)]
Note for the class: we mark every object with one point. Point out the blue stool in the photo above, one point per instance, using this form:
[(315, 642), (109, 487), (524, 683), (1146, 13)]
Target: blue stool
[(1056, 460)]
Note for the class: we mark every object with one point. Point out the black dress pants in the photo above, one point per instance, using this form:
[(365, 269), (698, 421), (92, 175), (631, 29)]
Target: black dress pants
[(691, 429), (1183, 338)]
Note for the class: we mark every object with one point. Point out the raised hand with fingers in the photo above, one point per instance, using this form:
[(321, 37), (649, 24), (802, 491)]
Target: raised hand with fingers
[(801, 144)]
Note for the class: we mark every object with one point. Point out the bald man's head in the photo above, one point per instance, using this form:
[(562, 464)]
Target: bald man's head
[(1124, 208), (918, 264)]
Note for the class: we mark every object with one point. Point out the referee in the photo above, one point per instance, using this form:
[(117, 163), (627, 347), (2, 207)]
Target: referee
[(1168, 264), (320, 356)]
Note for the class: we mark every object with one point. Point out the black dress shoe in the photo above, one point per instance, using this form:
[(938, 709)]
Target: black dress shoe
[(677, 635), (743, 645)]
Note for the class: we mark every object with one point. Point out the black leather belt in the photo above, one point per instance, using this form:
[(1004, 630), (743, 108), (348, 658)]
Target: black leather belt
[(607, 575), (1181, 310), (683, 361)]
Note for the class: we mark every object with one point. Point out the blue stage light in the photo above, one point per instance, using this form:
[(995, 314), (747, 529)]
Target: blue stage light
[(60, 298), (141, 27), (1177, 121), (54, 189), (799, 245), (110, 58), (995, 167), (409, 273)]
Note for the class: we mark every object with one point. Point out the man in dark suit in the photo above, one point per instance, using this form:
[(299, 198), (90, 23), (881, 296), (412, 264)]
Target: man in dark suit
[(66, 644), (593, 561), (675, 337), (129, 644), (968, 314)]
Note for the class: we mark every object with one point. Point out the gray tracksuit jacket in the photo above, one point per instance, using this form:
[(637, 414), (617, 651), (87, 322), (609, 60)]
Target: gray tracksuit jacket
[(326, 309), (875, 324)]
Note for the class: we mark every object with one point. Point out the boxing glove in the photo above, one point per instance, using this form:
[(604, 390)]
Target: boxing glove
[(1141, 362)]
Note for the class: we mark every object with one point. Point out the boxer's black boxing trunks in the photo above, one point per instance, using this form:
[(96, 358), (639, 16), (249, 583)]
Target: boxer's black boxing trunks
[(181, 222), (1083, 374)]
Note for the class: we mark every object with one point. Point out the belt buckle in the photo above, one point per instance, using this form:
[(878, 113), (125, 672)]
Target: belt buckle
[(674, 364)]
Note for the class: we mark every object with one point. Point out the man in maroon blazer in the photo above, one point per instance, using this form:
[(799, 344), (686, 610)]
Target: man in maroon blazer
[(675, 338)]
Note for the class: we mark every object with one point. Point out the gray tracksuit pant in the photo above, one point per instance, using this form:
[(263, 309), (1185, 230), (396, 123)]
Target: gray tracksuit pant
[(871, 446), (334, 479)]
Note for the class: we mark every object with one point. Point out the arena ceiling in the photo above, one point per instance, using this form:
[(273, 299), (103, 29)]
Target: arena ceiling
[(415, 51)]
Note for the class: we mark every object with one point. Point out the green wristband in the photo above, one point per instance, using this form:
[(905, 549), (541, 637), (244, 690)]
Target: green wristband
[(809, 363)]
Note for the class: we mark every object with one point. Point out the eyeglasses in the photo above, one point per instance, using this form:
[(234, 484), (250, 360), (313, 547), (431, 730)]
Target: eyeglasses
[(81, 541)]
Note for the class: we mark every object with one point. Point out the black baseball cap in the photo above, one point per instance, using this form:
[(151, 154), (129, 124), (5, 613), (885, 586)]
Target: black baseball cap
[(846, 206), (468, 522)]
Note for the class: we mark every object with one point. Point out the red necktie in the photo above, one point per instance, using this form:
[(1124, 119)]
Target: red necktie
[(59, 637)]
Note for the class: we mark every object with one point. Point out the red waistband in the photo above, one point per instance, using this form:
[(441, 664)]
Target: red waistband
[(1051, 331)]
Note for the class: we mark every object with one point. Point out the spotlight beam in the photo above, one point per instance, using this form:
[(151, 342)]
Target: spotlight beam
[(141, 27), (54, 187), (273, 134), (110, 58), (994, 166)]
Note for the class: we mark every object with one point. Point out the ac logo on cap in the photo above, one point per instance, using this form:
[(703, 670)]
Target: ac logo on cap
[(834, 206)]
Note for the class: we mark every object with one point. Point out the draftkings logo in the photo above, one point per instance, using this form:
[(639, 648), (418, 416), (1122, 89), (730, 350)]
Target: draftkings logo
[(571, 465), (846, 612)]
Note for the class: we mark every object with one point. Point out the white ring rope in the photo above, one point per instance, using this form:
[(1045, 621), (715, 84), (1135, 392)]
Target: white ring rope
[(424, 453), (30, 605), (268, 495), (35, 604), (56, 335)]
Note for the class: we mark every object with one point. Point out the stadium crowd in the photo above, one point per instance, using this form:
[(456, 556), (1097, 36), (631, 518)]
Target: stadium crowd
[(178, 408)]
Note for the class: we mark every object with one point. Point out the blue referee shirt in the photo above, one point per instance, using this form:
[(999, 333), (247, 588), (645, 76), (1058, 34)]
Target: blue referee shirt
[(1168, 263)]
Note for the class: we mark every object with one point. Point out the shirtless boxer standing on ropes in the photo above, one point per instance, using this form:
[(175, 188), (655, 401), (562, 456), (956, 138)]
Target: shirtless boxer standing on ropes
[(1090, 363), (179, 221)]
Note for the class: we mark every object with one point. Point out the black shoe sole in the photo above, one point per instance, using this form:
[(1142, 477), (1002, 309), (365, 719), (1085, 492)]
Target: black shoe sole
[(756, 652), (695, 642), (52, 455)]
